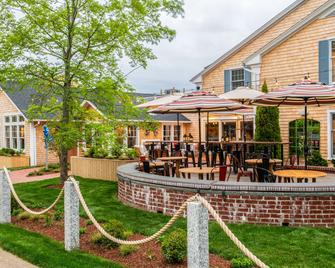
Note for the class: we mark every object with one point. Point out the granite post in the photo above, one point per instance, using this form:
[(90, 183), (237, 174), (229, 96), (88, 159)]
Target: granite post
[(5, 199), (71, 217), (197, 236)]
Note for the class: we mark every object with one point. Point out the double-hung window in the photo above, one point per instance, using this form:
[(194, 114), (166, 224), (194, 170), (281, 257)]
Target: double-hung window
[(237, 78), (171, 132), (132, 136), (14, 132)]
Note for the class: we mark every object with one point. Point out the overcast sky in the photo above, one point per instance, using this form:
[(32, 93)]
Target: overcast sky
[(208, 29)]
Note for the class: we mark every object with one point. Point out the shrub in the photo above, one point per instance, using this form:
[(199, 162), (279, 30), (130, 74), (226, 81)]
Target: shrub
[(316, 160), (58, 215), (241, 262), (114, 228), (47, 220), (82, 230), (127, 249), (174, 246), (89, 222), (35, 218), (9, 152), (23, 215)]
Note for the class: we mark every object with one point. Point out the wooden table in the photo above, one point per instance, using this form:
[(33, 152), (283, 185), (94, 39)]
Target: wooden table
[(255, 162), (300, 175), (176, 159), (201, 172)]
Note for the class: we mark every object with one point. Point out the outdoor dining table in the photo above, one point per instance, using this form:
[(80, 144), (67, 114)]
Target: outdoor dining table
[(300, 175), (199, 171), (176, 159), (255, 162)]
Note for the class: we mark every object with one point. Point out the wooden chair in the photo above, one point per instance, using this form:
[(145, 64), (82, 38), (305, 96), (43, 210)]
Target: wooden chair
[(242, 171)]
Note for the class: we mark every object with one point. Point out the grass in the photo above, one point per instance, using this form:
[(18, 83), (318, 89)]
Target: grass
[(276, 246), (45, 252)]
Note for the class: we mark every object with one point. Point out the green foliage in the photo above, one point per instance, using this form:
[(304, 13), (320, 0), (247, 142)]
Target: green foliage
[(58, 214), (71, 51), (125, 250), (241, 263), (9, 152), (267, 122), (333, 162), (114, 228), (23, 215), (48, 221), (316, 159), (174, 246), (82, 230)]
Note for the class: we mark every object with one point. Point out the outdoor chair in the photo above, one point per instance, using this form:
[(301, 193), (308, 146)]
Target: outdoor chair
[(241, 170), (224, 171), (264, 175)]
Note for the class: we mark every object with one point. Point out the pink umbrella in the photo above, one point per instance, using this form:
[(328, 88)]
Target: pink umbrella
[(304, 93), (197, 102)]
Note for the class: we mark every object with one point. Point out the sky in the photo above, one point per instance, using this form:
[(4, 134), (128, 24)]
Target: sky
[(208, 29)]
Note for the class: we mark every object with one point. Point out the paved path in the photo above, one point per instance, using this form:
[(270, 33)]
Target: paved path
[(8, 260), (19, 176)]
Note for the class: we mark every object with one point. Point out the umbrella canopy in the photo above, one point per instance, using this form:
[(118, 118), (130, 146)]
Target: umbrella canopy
[(161, 101), (194, 102), (242, 94), (197, 102), (303, 93)]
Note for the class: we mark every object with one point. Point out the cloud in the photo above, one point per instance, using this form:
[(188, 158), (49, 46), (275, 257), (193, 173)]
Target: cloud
[(208, 30)]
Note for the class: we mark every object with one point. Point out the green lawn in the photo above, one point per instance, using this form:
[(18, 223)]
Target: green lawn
[(45, 252), (276, 246)]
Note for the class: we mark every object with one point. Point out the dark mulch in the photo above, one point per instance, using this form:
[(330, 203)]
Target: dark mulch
[(148, 255)]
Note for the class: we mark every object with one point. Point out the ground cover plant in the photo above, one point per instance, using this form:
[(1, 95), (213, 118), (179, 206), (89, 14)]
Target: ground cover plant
[(273, 245)]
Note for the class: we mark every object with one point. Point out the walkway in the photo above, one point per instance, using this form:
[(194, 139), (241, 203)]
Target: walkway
[(9, 260), (19, 176)]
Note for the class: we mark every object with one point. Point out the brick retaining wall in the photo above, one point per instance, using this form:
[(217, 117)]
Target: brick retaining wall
[(292, 204)]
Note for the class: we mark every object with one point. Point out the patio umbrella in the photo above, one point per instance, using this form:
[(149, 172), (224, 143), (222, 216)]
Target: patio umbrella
[(163, 101), (244, 95), (303, 93), (198, 102)]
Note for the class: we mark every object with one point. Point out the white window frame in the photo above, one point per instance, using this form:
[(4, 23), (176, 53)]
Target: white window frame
[(331, 59), (137, 136), (330, 114), (18, 124), (172, 126), (237, 81)]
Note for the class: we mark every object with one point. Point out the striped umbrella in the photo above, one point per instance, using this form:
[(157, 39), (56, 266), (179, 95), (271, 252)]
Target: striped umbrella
[(197, 102), (303, 93)]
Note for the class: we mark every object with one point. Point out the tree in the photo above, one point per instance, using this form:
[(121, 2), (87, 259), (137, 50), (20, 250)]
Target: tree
[(267, 122), (70, 50)]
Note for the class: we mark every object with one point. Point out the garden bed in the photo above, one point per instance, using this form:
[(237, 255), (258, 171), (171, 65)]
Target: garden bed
[(14, 161), (148, 255)]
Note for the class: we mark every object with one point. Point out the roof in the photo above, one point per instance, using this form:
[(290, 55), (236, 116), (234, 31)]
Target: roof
[(170, 118), (327, 7), (161, 100), (251, 37)]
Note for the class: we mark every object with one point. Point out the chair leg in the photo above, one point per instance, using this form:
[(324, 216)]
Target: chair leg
[(238, 177)]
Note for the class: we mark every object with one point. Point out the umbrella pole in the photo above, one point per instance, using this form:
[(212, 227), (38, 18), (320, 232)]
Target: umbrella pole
[(244, 134), (199, 145), (178, 127), (305, 141), (207, 130)]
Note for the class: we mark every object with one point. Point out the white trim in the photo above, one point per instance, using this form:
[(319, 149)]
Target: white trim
[(329, 134), (32, 145), (93, 106)]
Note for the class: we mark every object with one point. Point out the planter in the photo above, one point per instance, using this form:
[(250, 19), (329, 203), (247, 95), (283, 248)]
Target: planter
[(95, 168), (14, 161)]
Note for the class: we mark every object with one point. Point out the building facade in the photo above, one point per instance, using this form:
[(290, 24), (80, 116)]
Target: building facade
[(298, 42)]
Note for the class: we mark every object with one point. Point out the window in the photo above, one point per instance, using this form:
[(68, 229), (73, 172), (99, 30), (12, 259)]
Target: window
[(213, 131), (229, 131), (167, 133), (296, 136), (176, 132), (237, 78), (14, 132), (132, 136)]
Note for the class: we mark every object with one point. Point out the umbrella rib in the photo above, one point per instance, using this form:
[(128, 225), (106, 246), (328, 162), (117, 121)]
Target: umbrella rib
[(282, 101), (317, 101)]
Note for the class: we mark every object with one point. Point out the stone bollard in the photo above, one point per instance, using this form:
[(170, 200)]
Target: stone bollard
[(197, 236), (5, 199), (71, 217)]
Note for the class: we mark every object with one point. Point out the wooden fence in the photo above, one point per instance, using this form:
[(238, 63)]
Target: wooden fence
[(94, 168), (14, 161)]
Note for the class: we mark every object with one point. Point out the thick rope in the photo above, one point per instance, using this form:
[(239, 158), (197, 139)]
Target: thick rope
[(127, 242), (230, 234), (22, 205)]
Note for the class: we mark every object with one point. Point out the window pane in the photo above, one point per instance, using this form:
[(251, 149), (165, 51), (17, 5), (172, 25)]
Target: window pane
[(21, 118), (176, 132), (14, 118), (14, 131), (7, 142), (237, 75), (166, 133), (21, 132), (7, 119), (7, 131), (132, 136)]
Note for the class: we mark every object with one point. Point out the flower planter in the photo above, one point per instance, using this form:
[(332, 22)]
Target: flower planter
[(14, 161), (95, 168)]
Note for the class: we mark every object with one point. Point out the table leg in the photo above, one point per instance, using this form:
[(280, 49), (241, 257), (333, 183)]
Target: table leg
[(177, 168), (166, 169)]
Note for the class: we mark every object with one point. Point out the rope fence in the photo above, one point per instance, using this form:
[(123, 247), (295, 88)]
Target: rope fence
[(22, 205), (176, 215)]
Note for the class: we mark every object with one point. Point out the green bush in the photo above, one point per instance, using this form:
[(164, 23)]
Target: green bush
[(9, 152), (23, 215), (47, 220), (174, 246), (58, 214), (114, 228), (127, 249), (316, 160), (241, 262), (82, 230)]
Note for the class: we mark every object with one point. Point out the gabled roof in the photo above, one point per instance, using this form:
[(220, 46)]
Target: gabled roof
[(170, 118), (326, 8), (251, 37)]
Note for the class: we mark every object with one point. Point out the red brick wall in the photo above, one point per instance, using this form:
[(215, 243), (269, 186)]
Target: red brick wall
[(272, 208)]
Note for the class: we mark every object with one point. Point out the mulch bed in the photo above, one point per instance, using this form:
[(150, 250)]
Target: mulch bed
[(148, 255)]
